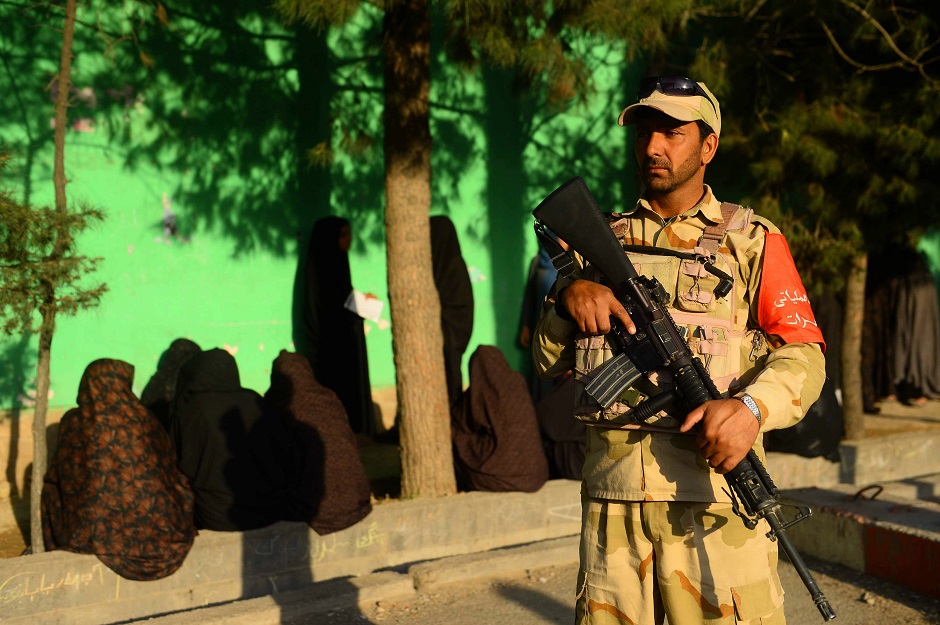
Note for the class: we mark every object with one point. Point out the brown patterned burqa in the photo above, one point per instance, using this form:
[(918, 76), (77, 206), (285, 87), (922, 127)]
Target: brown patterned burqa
[(113, 489), (497, 445), (333, 490)]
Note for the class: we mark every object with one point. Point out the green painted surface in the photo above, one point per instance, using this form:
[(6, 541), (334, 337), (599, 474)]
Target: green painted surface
[(216, 132)]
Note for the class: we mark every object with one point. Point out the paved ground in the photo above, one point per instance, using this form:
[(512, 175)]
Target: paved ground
[(546, 596), (895, 417), (543, 596)]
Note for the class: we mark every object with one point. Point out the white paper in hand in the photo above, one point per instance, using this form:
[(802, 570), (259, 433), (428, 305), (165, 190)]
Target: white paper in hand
[(365, 306)]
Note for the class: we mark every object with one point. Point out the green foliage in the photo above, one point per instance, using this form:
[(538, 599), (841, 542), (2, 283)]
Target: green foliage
[(317, 14), (29, 268), (830, 119), (549, 44), (550, 47)]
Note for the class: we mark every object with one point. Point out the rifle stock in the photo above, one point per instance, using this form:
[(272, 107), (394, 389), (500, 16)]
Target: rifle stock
[(571, 212)]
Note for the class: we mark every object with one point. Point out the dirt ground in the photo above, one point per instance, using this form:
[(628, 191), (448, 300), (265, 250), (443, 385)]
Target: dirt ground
[(12, 543)]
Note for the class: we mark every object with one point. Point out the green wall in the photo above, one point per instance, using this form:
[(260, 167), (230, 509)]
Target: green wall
[(215, 127)]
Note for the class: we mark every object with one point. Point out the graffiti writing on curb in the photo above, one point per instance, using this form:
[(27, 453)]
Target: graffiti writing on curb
[(32, 585)]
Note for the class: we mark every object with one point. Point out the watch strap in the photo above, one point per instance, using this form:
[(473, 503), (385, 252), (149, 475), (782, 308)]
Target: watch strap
[(752, 406)]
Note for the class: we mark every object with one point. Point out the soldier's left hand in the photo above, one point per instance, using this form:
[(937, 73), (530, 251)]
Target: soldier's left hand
[(727, 432)]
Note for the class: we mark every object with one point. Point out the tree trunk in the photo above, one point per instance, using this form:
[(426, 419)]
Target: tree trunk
[(48, 306), (39, 434), (852, 398), (417, 340)]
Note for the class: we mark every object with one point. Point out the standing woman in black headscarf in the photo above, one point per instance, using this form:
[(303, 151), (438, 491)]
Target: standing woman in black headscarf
[(453, 285), (334, 336)]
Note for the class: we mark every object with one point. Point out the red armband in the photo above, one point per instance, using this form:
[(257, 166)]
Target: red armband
[(782, 305)]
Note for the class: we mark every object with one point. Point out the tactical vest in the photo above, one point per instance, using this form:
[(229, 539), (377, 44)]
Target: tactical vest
[(714, 328)]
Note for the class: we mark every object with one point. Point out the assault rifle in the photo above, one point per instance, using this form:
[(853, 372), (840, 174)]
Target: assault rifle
[(658, 345)]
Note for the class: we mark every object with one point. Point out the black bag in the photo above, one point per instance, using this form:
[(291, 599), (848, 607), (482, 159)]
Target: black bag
[(563, 436), (818, 434)]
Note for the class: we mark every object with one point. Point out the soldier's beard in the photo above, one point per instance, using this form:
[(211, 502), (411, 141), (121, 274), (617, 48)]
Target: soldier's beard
[(665, 183)]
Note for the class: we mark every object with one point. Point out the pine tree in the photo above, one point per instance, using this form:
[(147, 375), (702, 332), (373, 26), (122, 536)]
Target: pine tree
[(545, 45), (41, 277), (831, 122), (40, 274)]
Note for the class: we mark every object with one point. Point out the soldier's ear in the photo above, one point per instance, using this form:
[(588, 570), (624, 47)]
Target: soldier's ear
[(709, 148)]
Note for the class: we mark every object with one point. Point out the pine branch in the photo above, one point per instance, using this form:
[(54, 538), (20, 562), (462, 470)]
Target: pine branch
[(905, 59)]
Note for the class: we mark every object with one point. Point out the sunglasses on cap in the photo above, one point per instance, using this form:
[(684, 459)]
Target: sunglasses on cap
[(671, 85)]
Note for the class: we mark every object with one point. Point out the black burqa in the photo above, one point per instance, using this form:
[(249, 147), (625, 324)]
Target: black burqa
[(160, 390), (335, 341), (917, 334), (235, 451), (901, 346), (456, 294)]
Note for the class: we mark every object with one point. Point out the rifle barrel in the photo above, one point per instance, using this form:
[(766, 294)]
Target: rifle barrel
[(822, 604)]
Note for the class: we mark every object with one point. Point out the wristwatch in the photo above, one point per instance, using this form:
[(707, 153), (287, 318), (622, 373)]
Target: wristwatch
[(752, 406)]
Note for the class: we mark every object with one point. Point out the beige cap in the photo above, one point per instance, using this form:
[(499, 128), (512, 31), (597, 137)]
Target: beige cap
[(682, 107)]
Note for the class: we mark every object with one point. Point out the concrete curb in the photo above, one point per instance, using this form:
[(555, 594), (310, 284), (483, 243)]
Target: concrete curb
[(896, 539), (559, 551), (890, 457), (63, 588), (381, 586), (872, 530), (296, 604)]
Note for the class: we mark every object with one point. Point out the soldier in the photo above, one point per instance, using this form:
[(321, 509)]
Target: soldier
[(659, 537)]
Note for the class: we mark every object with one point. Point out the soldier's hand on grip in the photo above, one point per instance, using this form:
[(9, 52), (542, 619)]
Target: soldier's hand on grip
[(727, 432), (591, 305)]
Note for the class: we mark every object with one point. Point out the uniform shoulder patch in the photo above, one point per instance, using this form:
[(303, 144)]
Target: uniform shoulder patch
[(765, 223), (783, 306)]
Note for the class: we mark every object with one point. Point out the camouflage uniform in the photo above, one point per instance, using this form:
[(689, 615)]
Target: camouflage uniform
[(629, 465)]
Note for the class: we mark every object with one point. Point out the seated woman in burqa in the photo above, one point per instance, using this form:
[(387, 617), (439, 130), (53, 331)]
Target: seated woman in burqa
[(113, 489), (235, 451), (332, 491), (158, 395), (497, 446)]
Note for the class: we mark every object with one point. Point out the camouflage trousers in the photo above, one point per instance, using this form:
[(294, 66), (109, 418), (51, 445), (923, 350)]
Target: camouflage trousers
[(691, 562)]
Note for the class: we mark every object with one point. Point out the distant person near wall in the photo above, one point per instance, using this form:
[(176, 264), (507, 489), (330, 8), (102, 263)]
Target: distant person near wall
[(452, 280), (901, 347), (334, 336), (539, 281)]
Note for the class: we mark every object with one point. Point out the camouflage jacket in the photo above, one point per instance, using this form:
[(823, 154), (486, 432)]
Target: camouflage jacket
[(652, 461)]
